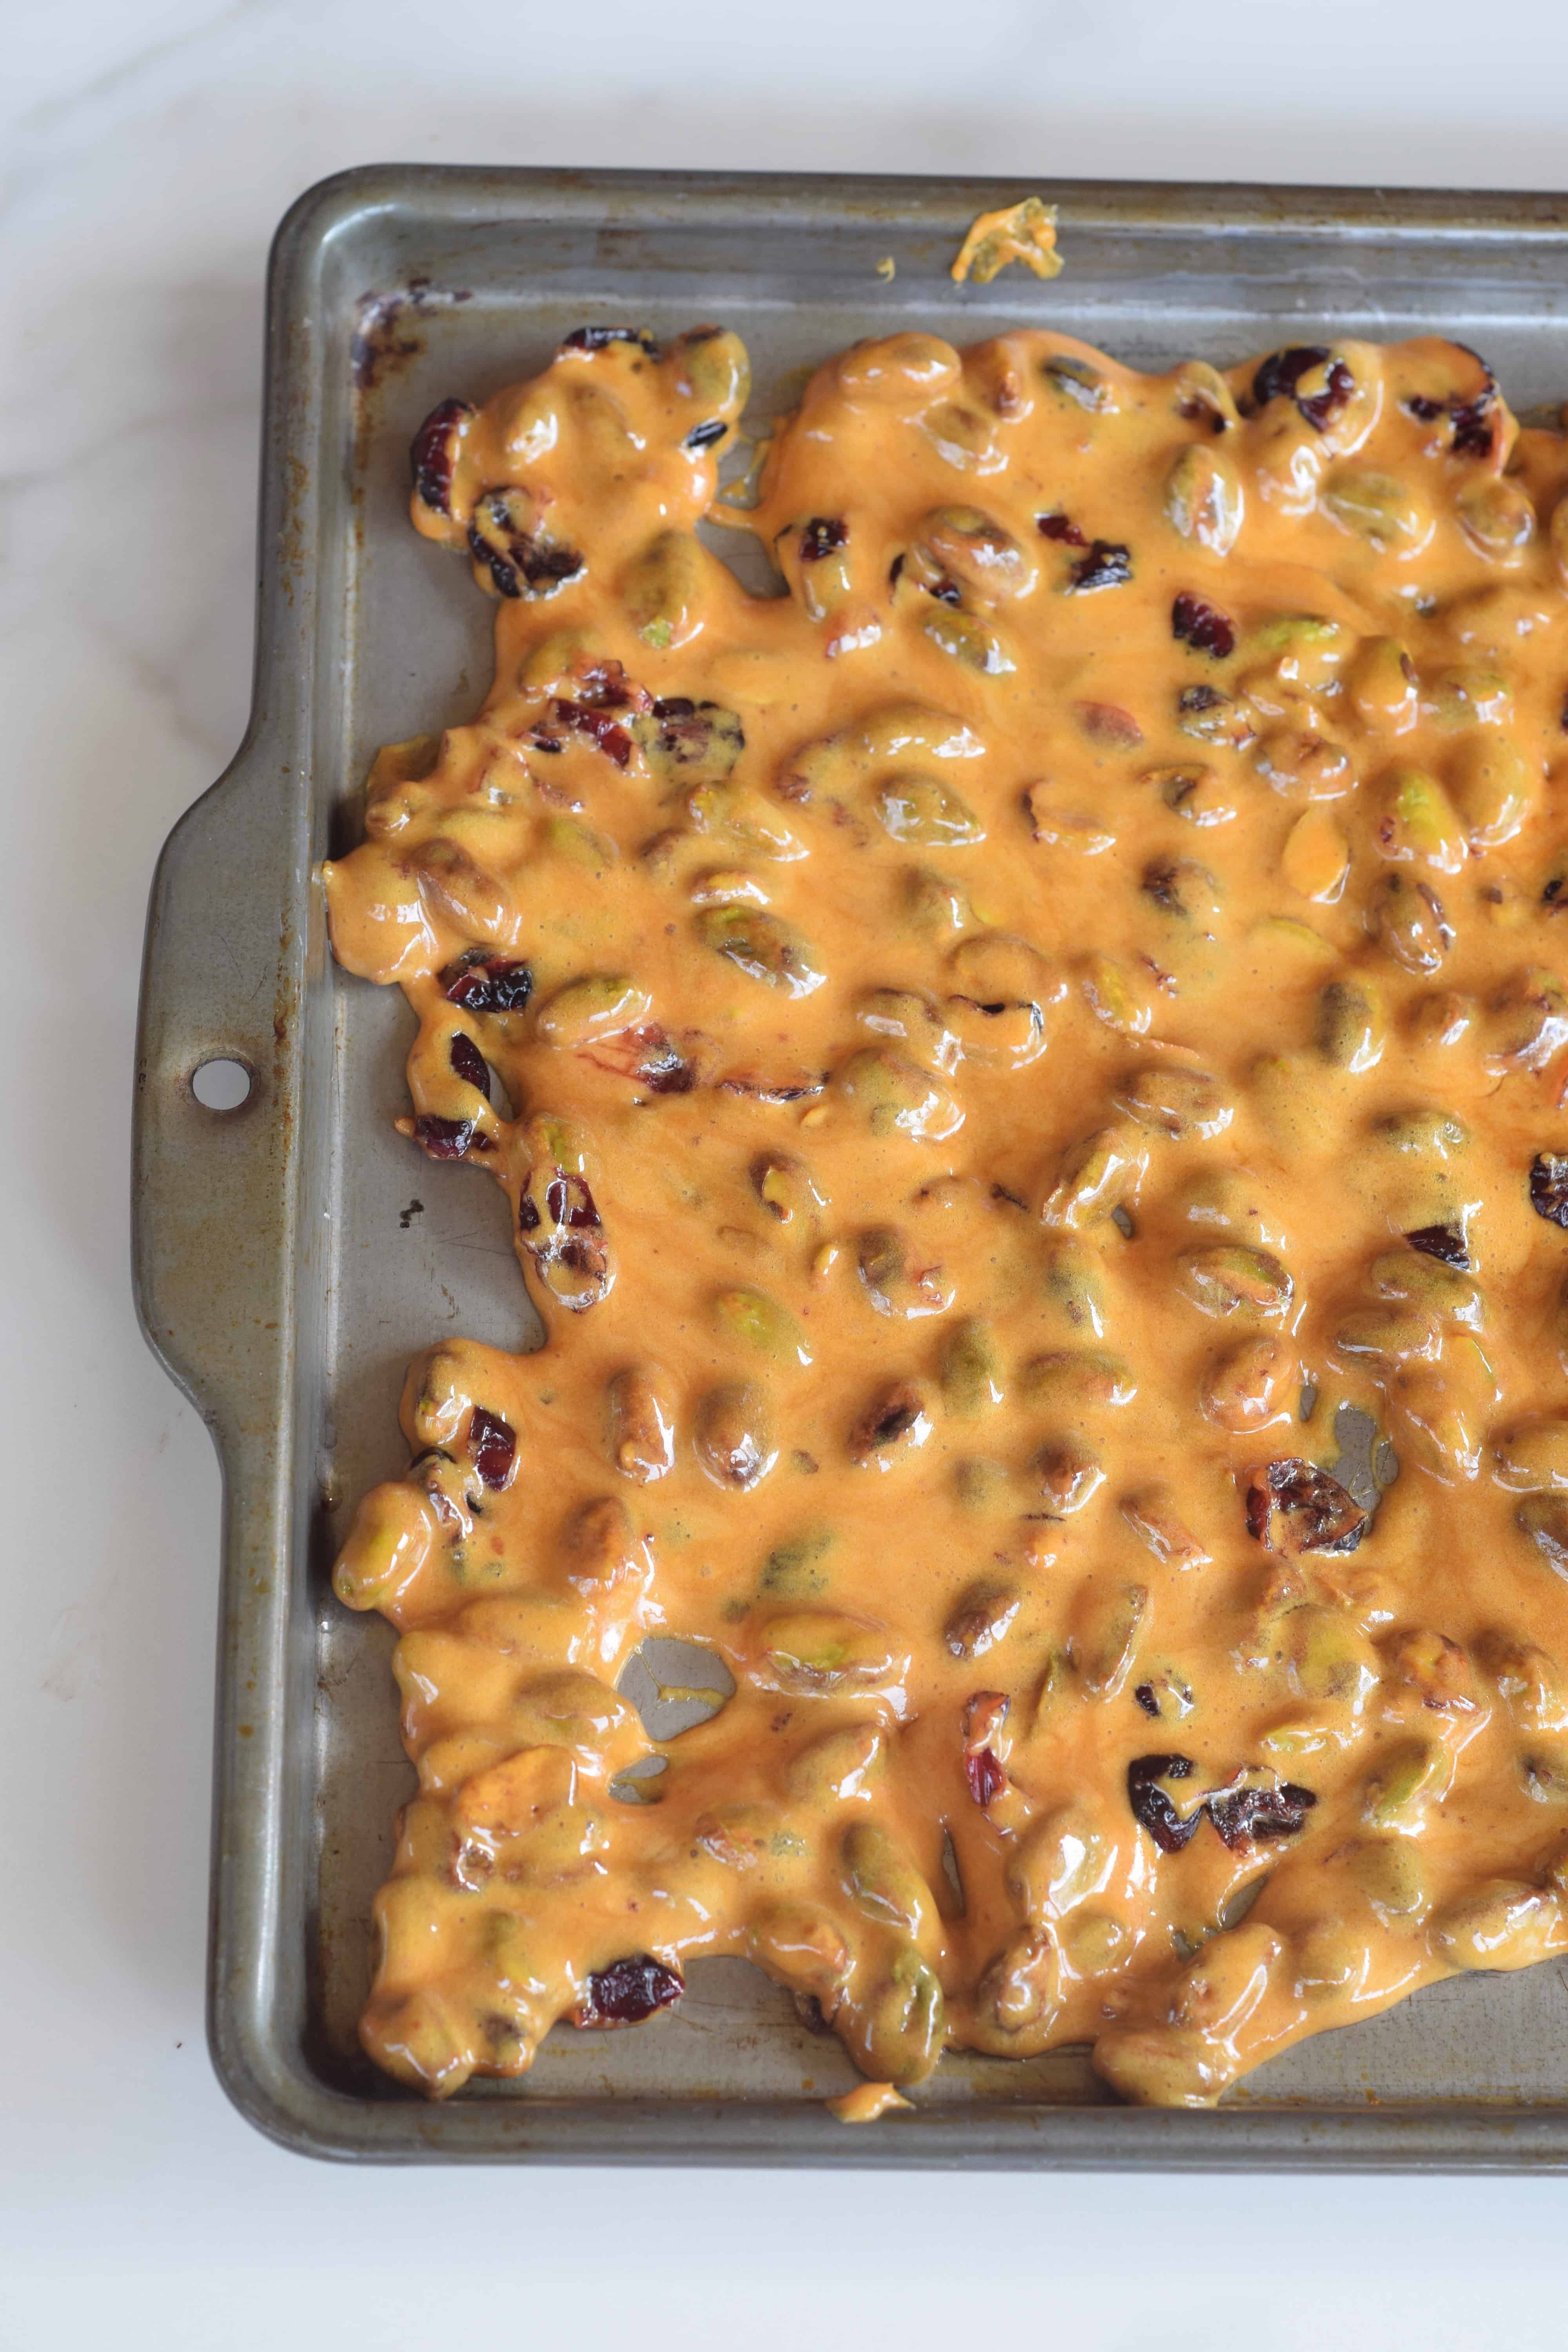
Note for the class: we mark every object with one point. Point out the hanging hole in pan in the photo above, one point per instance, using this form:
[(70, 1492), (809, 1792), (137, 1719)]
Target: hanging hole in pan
[(1367, 1463), (744, 556), (1240, 1900), (221, 1083), (641, 1783), (675, 1684)]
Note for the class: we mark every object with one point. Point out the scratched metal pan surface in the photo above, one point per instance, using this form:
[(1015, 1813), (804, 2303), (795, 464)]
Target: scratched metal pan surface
[(286, 1269)]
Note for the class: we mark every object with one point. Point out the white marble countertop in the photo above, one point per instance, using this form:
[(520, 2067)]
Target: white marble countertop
[(149, 147)]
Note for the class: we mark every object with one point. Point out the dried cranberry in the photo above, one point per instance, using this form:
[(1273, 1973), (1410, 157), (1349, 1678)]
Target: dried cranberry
[(487, 984), (527, 1215), (1476, 423), (823, 535), (902, 1412), (985, 1777), (500, 538), (1320, 408), (570, 1202), (448, 1138), (666, 1071), (541, 563), (1317, 1513), (1153, 1808), (628, 1990), (1060, 527), (492, 1447), (595, 338), (1164, 884), (1194, 698), (586, 1258), (703, 437), (468, 1063), (604, 684), (433, 453), (947, 592), (1245, 1815), (1549, 1186), (601, 730), (692, 732), (1280, 375), (647, 1055), (1444, 1242), (1106, 565), (1144, 1694), (1206, 630)]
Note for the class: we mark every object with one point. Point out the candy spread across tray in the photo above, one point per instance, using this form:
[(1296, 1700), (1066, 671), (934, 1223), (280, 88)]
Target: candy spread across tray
[(1027, 1070)]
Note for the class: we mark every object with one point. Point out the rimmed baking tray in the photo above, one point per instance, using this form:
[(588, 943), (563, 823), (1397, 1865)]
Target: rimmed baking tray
[(292, 1254)]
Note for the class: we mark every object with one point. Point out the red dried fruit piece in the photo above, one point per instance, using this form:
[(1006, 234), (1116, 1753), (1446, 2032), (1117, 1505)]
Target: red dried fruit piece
[(1153, 1807), (433, 453), (1144, 1694), (564, 1234), (517, 559), (601, 730), (892, 1417), (1247, 1813), (648, 1056), (1292, 1506), (492, 1447), (1279, 376), (1476, 423), (1202, 627), (1107, 724), (628, 1991), (1549, 1186), (596, 338), (946, 592), (985, 1775), (692, 734), (1444, 1242), (1107, 564), (823, 535), (602, 685), (1320, 408), (468, 1063), (481, 982), (571, 1204), (448, 1138), (1060, 527)]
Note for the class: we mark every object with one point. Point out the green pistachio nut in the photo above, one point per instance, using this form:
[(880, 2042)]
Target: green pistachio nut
[(762, 946), (1204, 499)]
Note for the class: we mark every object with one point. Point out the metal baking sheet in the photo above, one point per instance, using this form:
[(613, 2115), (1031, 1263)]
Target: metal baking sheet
[(292, 1254)]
